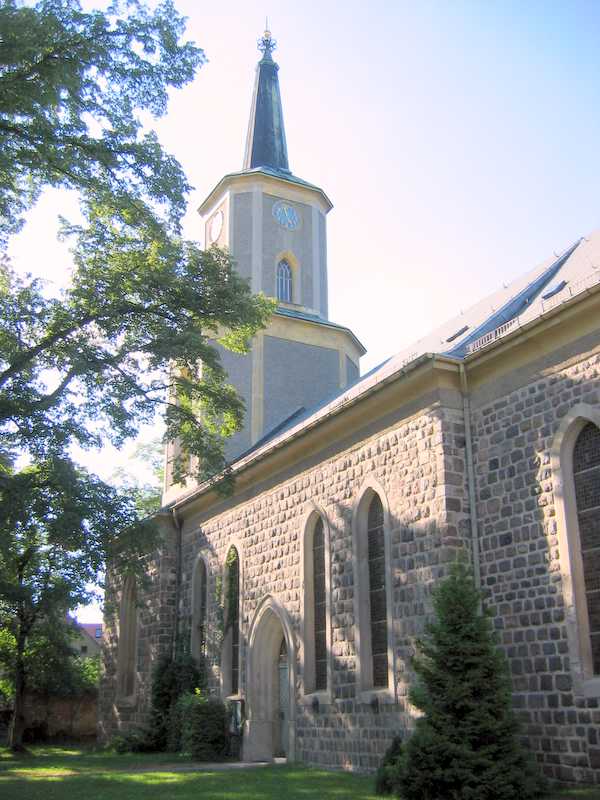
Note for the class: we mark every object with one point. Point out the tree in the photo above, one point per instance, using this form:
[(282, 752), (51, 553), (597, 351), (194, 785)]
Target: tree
[(146, 494), (58, 527), (132, 336), (465, 746)]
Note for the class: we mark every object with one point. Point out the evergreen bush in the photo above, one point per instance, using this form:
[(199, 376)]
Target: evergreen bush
[(385, 777), (466, 745), (203, 726)]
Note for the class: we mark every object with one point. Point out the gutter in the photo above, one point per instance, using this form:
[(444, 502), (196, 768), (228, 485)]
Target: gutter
[(470, 476)]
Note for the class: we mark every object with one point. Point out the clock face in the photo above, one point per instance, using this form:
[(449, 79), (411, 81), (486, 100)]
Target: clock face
[(215, 226), (286, 215)]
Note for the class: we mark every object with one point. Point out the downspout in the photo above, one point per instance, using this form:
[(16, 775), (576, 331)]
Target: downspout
[(470, 476), (178, 526)]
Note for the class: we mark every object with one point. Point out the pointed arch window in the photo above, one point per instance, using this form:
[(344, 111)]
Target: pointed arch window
[(199, 610), (586, 477), (371, 564), (317, 607), (320, 600), (377, 594), (128, 622), (284, 281), (231, 643)]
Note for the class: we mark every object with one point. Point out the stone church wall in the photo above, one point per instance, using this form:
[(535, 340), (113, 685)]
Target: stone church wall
[(155, 633), (419, 465), (520, 557), (417, 457)]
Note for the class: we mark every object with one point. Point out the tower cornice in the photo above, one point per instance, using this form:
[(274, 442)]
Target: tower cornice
[(271, 179)]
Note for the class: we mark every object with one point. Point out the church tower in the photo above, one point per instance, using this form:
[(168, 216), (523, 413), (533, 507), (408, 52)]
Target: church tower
[(274, 225)]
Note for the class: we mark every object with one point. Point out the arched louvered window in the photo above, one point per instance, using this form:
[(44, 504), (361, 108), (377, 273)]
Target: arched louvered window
[(127, 640), (199, 610), (284, 281), (586, 475), (233, 618), (377, 593), (320, 607)]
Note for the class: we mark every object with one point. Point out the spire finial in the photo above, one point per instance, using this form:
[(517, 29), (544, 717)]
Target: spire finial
[(266, 44)]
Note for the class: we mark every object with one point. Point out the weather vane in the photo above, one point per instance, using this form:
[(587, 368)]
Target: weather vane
[(266, 44)]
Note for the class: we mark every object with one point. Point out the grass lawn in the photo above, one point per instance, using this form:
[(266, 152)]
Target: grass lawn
[(56, 773)]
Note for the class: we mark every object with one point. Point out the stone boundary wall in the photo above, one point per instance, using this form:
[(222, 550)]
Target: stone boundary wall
[(61, 717)]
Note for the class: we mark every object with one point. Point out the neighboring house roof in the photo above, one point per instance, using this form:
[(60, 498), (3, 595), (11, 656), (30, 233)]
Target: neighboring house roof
[(90, 628)]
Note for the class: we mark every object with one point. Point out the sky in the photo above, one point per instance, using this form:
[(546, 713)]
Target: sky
[(458, 141)]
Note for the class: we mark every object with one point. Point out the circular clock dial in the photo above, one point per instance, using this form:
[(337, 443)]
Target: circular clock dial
[(286, 215), (215, 226)]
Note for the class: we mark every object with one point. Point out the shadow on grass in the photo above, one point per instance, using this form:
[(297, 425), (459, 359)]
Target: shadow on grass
[(293, 783)]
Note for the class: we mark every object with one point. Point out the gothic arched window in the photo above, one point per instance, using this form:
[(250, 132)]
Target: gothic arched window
[(377, 594), (320, 601), (317, 605), (284, 281), (372, 579), (232, 623), (127, 640), (586, 476), (199, 609)]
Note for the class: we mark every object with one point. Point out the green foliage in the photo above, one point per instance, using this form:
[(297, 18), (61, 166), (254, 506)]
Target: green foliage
[(135, 740), (72, 87), (465, 746), (203, 726), (52, 666), (385, 778), (146, 496), (126, 339), (170, 679), (232, 568)]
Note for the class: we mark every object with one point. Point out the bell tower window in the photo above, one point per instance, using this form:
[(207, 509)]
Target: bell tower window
[(284, 282)]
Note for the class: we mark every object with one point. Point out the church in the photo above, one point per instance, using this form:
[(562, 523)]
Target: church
[(354, 493)]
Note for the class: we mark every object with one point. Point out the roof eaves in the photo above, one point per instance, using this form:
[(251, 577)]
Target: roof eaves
[(520, 330), (269, 173), (272, 446)]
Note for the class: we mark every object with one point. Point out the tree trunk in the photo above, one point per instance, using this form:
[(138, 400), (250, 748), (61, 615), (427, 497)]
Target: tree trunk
[(17, 724)]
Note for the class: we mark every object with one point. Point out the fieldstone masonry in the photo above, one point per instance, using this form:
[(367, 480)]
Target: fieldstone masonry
[(520, 560), (419, 461)]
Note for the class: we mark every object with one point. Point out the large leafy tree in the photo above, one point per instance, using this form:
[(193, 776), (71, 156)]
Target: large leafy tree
[(127, 338)]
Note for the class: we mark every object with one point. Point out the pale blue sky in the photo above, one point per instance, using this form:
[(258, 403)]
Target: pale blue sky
[(458, 141)]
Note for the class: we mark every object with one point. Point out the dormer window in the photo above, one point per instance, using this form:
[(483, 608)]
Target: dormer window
[(284, 282)]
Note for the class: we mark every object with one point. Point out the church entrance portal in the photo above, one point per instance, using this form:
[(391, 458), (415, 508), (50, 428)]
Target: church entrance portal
[(270, 725)]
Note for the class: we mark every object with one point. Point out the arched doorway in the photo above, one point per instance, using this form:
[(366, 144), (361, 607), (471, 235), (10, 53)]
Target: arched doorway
[(270, 722)]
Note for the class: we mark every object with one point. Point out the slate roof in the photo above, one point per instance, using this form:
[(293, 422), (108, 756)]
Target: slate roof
[(283, 311), (265, 144), (552, 283)]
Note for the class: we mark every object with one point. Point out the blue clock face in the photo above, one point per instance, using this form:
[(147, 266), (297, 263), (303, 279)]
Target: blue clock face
[(286, 215)]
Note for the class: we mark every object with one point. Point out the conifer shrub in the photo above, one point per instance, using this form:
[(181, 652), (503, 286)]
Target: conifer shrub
[(385, 777), (466, 745), (203, 726)]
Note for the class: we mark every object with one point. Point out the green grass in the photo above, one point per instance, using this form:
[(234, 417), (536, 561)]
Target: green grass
[(55, 773)]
